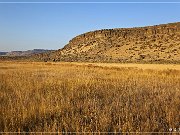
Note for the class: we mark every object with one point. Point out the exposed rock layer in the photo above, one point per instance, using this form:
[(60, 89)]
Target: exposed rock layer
[(144, 44)]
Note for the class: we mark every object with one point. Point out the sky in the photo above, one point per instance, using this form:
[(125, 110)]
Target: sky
[(26, 26)]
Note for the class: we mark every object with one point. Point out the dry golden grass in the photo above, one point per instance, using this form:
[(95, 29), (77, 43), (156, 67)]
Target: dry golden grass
[(51, 97)]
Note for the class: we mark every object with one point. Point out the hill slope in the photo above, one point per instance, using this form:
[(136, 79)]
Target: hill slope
[(143, 44), (28, 52)]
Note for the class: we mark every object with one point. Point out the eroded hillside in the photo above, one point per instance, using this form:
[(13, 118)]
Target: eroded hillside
[(160, 43)]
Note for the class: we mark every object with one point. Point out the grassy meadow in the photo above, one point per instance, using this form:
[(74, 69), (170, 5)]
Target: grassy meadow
[(70, 97)]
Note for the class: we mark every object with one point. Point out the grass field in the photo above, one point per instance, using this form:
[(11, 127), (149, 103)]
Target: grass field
[(87, 97)]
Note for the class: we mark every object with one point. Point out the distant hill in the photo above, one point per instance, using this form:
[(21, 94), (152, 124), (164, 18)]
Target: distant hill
[(22, 55), (27, 53), (159, 43)]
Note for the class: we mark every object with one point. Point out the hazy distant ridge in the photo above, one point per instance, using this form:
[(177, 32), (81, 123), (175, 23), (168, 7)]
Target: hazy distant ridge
[(25, 53), (3, 53)]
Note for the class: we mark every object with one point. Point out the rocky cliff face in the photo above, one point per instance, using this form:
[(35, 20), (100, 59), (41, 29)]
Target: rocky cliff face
[(152, 43)]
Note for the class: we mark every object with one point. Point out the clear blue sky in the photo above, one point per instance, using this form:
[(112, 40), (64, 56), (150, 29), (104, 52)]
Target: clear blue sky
[(51, 26)]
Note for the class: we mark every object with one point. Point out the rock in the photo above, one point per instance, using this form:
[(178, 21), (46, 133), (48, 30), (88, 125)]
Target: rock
[(118, 45)]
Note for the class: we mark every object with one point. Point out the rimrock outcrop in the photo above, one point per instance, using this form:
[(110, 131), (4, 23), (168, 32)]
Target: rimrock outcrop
[(143, 44)]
